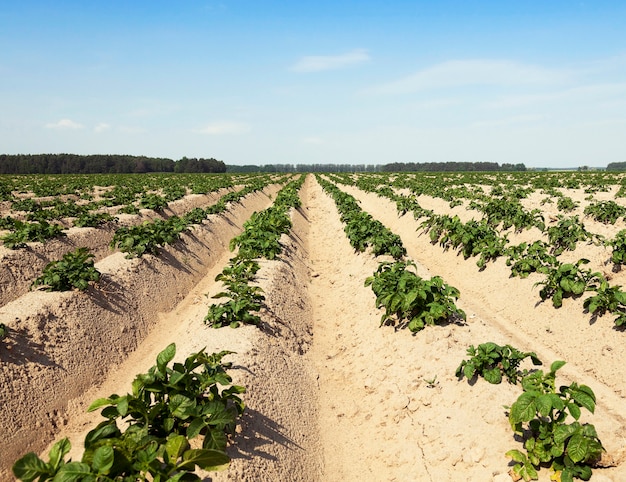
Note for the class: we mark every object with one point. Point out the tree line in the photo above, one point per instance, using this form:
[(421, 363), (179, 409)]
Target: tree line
[(124, 164), (451, 166), (102, 164), (392, 167)]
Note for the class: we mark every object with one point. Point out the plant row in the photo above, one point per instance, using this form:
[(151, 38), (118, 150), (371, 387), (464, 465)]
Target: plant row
[(562, 280), (408, 300), (260, 239)]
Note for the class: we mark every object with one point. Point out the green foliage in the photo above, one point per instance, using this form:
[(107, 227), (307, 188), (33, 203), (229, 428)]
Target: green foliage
[(618, 255), (168, 407), (530, 258), (148, 237), (153, 201), (364, 231), (261, 235), (540, 414), (492, 361), (566, 233), (568, 280), (89, 219), (609, 299), (244, 300), (410, 300), (128, 209), (566, 204), (361, 228), (605, 211), (474, 238), (23, 233), (75, 271), (510, 213), (4, 331)]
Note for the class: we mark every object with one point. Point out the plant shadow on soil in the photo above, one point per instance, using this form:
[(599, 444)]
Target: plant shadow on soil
[(108, 294), (19, 349), (258, 431)]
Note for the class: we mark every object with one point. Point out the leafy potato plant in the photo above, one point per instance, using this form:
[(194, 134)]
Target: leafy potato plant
[(410, 300), (168, 407), (568, 280), (492, 361), (540, 415), (75, 271)]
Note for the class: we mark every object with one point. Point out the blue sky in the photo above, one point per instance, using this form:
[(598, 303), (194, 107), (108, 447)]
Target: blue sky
[(260, 82)]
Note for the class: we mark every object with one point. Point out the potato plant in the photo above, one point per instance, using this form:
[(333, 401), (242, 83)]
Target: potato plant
[(567, 280), (607, 299), (410, 301), (75, 270), (540, 416), (168, 408), (492, 362), (23, 233)]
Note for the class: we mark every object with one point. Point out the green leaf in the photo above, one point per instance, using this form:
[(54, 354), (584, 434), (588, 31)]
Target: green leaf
[(103, 459), (181, 406), (73, 472), (493, 375), (543, 404), (195, 427), (584, 396), (523, 410), (100, 402), (516, 455), (176, 446), (165, 357), (29, 467), (206, 459), (562, 432), (577, 448), (58, 451)]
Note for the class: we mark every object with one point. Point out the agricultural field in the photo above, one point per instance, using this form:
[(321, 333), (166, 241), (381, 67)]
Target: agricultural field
[(375, 326)]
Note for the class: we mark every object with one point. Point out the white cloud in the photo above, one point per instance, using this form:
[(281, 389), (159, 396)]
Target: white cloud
[(318, 63), (102, 127), (64, 124), (223, 127), (456, 73)]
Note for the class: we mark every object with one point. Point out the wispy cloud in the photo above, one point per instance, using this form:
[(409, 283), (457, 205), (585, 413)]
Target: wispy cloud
[(64, 124), (223, 127), (319, 63), (456, 73), (102, 127)]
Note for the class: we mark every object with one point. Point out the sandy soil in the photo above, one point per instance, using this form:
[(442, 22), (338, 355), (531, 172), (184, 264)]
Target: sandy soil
[(331, 396)]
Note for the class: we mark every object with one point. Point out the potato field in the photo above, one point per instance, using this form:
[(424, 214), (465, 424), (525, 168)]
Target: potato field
[(334, 327)]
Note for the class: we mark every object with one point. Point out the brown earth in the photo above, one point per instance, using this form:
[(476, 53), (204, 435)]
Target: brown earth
[(330, 395)]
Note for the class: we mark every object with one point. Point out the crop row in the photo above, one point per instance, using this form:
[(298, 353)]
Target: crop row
[(171, 406), (545, 416), (562, 280)]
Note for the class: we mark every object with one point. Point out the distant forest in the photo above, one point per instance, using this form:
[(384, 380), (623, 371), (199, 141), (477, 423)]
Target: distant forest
[(616, 166), (393, 167), (101, 164), (451, 166), (123, 164)]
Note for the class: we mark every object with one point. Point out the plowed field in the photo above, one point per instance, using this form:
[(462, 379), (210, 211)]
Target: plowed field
[(331, 396)]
